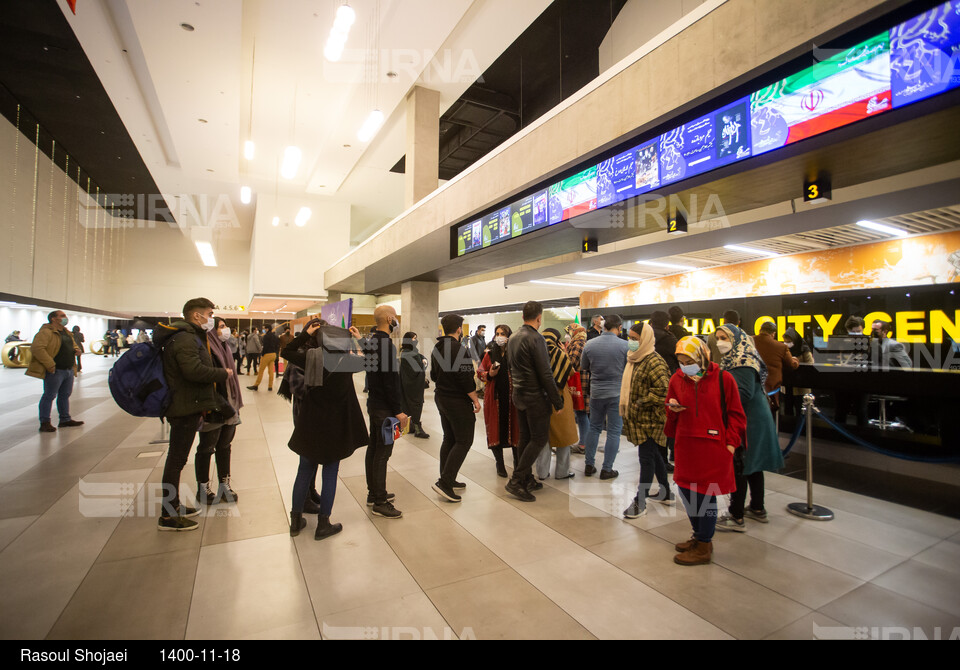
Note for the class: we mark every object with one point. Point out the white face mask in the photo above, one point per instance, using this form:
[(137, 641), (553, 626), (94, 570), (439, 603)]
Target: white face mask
[(725, 346), (501, 340), (208, 324), (224, 334)]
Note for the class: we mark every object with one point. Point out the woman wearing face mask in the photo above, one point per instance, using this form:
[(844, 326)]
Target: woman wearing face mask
[(563, 423), (233, 343), (642, 395), (413, 375), (798, 347), (706, 438), (499, 412), (219, 427), (741, 359)]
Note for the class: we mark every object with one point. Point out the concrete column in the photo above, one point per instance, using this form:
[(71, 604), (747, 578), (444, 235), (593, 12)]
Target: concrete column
[(423, 144), (419, 310)]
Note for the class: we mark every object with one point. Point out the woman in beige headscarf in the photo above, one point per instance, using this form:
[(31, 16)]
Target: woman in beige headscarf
[(643, 393), (563, 427), (578, 338)]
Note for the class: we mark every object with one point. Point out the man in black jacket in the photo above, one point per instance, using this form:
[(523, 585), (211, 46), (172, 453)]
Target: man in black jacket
[(456, 397), (383, 401), (192, 379), (534, 391), (268, 359)]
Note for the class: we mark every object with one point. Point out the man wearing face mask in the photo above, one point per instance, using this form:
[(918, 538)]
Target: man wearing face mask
[(192, 378), (54, 361), (605, 358), (383, 402)]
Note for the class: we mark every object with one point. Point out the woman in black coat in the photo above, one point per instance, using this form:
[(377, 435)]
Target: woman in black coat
[(329, 424), (413, 378)]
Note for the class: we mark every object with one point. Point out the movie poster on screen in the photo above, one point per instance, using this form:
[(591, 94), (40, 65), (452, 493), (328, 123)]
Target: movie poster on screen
[(540, 218), (648, 167), (732, 124), (521, 216), (925, 55), (573, 196), (847, 87), (491, 229)]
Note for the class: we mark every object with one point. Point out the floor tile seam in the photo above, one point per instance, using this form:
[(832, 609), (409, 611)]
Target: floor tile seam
[(402, 562), (891, 591), (596, 634), (900, 565), (61, 447), (86, 576)]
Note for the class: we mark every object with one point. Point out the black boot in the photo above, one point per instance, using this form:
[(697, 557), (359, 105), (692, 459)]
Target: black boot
[(315, 496), (419, 431), (297, 523), (325, 528), (310, 507)]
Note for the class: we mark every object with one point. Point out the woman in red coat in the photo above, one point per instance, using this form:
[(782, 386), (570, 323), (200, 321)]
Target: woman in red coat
[(499, 412), (705, 442)]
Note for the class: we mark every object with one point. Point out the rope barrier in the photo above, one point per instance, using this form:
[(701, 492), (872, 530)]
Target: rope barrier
[(796, 435), (885, 452)]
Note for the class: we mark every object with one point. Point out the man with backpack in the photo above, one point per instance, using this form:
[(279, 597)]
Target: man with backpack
[(191, 377)]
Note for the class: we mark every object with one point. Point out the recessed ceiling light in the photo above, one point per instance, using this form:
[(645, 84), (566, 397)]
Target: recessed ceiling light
[(202, 120), (209, 169), (347, 146), (880, 228), (392, 75), (187, 27), (603, 276), (748, 250), (669, 266)]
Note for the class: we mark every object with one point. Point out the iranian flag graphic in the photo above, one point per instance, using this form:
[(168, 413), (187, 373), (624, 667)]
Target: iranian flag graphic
[(845, 88)]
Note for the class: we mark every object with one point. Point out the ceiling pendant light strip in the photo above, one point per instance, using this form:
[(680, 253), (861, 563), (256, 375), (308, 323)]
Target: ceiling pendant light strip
[(339, 33)]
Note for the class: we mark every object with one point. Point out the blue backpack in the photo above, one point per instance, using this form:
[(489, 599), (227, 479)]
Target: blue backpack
[(137, 382)]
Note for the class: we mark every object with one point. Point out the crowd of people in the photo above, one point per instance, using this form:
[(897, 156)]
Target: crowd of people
[(697, 408)]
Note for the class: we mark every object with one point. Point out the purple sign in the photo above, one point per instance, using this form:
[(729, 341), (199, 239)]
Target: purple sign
[(338, 313)]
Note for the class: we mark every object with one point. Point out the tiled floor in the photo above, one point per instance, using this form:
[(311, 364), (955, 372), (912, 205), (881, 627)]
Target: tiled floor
[(80, 556)]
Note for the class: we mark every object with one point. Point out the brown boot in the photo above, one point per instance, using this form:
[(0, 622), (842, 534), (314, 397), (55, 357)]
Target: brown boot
[(686, 546), (700, 554)]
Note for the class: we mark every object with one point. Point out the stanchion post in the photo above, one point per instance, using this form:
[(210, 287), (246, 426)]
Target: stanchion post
[(164, 437), (808, 510)]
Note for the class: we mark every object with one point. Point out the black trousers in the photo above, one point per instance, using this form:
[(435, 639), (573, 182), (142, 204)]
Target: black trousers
[(534, 417), (458, 422), (183, 430), (378, 454), (255, 359), (754, 482), (212, 442)]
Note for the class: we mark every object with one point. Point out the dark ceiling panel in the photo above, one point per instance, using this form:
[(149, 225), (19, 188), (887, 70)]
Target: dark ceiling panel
[(45, 70)]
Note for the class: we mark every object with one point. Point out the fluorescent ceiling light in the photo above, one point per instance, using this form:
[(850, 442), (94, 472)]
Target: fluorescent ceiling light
[(370, 126), (275, 222), (669, 266), (748, 250), (880, 228), (248, 149), (245, 195), (303, 216), (602, 276), (339, 33), (291, 162), (559, 283), (206, 253)]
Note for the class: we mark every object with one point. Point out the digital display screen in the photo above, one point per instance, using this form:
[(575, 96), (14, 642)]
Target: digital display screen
[(925, 55), (573, 196), (910, 62), (844, 88)]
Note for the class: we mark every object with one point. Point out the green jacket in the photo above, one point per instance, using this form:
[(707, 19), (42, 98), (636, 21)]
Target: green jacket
[(189, 369)]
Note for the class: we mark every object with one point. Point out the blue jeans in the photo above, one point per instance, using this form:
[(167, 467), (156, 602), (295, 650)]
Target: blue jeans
[(702, 510), (600, 409), (583, 424), (306, 474), (58, 385)]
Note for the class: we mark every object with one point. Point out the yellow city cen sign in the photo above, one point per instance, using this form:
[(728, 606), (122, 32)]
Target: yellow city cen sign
[(908, 327)]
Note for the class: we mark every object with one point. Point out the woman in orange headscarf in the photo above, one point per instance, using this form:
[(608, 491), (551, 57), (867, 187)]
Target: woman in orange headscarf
[(707, 422)]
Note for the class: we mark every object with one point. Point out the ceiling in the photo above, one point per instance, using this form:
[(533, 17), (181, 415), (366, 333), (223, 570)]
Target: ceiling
[(940, 220)]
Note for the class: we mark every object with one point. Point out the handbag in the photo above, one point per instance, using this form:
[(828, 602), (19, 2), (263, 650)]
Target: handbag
[(576, 391), (738, 453)]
